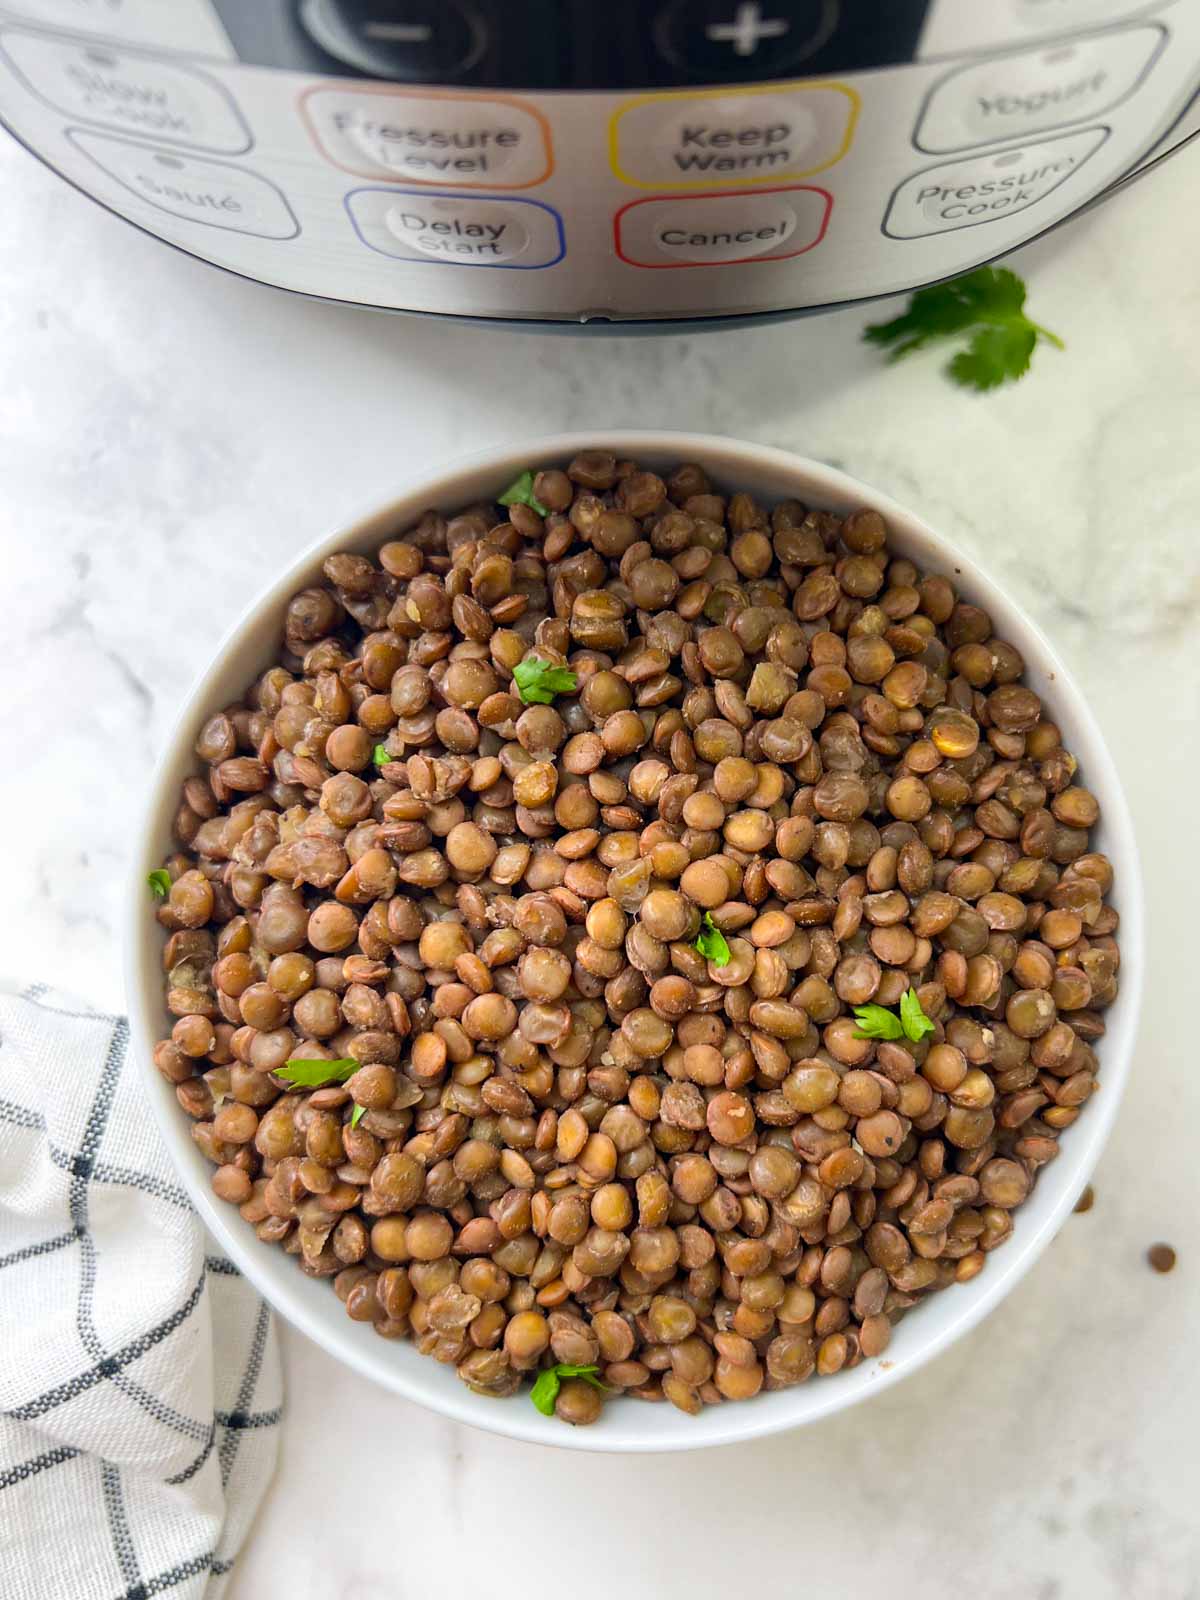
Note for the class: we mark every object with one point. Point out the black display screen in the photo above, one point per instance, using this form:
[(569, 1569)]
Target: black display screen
[(574, 44)]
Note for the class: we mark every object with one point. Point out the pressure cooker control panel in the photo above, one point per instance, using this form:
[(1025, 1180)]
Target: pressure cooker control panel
[(571, 161)]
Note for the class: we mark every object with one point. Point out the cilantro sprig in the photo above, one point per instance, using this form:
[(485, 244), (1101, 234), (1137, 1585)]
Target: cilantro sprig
[(916, 1023), (547, 1384), (520, 493), (987, 309), (538, 681), (877, 1022), (316, 1074), (160, 883), (712, 943), (380, 755), (359, 1113)]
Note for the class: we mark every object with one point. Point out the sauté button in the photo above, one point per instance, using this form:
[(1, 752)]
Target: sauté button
[(723, 229), (215, 193)]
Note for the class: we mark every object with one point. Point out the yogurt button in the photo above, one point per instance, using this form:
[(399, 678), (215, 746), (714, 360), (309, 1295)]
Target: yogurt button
[(457, 230), (1013, 96), (719, 230)]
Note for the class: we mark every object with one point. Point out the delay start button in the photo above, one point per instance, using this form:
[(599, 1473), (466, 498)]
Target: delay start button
[(457, 230), (490, 234), (720, 230)]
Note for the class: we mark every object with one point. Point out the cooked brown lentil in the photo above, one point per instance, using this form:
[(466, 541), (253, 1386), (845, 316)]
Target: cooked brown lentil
[(1161, 1257), (578, 1140)]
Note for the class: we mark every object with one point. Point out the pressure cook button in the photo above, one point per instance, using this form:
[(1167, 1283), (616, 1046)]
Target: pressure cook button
[(126, 90), (212, 192), (1013, 96), (987, 188), (722, 230), (717, 40), (457, 230), (418, 40)]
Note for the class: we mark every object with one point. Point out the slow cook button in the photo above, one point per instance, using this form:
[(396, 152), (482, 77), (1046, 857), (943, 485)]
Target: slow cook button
[(735, 136), (454, 230), (1011, 97), (462, 140), (985, 188), (212, 192), (126, 90), (722, 230)]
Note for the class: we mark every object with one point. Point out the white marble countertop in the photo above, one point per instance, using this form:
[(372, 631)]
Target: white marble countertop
[(169, 436)]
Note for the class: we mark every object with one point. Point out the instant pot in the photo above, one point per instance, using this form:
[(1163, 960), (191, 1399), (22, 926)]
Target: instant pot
[(578, 161)]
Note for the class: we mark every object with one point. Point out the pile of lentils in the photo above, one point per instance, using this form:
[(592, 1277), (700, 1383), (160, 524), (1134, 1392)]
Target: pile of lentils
[(568, 1137)]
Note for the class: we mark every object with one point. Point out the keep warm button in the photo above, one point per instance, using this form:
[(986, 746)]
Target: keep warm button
[(732, 136), (721, 230)]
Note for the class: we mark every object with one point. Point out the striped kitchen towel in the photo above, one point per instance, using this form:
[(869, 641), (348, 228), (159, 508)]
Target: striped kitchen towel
[(140, 1387)]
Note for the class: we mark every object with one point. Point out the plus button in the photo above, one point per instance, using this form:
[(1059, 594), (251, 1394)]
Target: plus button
[(747, 30)]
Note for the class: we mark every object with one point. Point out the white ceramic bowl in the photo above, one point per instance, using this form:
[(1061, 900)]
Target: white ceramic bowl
[(311, 1305)]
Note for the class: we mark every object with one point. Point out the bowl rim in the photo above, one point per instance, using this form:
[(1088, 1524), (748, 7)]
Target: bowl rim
[(738, 463)]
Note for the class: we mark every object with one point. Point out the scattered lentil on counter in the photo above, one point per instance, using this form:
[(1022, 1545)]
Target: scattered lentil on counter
[(576, 1139), (1161, 1257)]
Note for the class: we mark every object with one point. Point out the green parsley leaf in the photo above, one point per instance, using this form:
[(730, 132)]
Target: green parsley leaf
[(547, 1384), (380, 755), (915, 1023), (877, 1022), (520, 493), (995, 356), (545, 1391), (712, 944), (359, 1113), (315, 1074), (160, 883), (986, 307), (538, 682)]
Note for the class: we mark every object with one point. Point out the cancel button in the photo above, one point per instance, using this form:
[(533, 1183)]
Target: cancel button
[(693, 231), (720, 230)]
